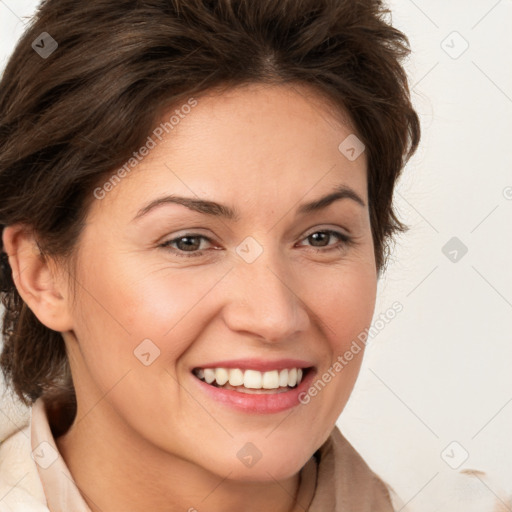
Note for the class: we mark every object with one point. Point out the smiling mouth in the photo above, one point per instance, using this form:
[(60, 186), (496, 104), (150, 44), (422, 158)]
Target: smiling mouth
[(252, 381)]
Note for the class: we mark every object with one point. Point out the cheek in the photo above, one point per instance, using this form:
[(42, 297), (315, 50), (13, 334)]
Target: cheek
[(133, 305), (345, 302), (345, 305)]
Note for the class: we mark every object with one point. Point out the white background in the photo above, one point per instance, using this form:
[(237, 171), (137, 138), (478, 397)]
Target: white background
[(441, 370)]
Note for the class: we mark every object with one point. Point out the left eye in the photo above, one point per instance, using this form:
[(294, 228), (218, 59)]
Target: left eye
[(190, 244), (326, 235)]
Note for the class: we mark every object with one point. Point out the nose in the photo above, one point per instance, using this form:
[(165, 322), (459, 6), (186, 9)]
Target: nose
[(263, 301)]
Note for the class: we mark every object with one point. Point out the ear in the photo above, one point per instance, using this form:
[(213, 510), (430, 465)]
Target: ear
[(37, 279)]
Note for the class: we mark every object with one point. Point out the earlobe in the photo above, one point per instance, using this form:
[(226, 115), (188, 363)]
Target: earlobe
[(36, 279)]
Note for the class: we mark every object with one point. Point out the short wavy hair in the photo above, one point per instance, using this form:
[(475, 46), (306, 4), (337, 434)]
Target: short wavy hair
[(69, 119)]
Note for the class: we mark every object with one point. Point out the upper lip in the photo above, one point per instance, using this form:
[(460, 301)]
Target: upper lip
[(261, 365)]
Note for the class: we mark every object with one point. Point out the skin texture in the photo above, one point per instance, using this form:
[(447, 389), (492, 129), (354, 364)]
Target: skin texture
[(147, 437)]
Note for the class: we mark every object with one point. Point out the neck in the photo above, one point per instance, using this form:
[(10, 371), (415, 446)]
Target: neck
[(115, 469)]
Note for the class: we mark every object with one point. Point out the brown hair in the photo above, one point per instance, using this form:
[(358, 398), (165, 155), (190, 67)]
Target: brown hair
[(68, 117)]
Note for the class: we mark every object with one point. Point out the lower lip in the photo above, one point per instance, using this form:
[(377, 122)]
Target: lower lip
[(258, 403)]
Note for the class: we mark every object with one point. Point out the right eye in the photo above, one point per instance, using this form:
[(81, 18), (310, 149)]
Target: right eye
[(188, 243)]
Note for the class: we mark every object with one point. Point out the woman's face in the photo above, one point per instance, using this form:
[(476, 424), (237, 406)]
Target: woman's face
[(167, 293)]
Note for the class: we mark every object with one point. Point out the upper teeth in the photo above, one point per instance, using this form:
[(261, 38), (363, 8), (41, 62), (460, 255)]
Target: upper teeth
[(252, 379)]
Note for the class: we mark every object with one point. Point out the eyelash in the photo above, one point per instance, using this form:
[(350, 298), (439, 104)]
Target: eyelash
[(345, 240)]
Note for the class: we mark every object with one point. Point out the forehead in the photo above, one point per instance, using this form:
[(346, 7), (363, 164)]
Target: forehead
[(245, 144)]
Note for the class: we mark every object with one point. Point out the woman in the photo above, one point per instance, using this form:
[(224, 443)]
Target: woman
[(196, 201)]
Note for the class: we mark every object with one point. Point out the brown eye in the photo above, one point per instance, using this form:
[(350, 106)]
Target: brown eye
[(189, 243), (321, 238)]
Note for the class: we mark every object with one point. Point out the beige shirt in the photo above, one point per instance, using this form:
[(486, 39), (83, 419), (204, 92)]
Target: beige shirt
[(335, 479)]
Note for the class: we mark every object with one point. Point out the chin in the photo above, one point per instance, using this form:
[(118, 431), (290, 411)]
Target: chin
[(263, 472), (263, 466)]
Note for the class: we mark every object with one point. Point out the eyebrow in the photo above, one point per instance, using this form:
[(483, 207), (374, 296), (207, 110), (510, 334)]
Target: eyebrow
[(219, 210)]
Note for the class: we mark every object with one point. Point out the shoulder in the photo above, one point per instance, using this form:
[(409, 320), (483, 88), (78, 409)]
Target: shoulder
[(354, 481), (20, 487)]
